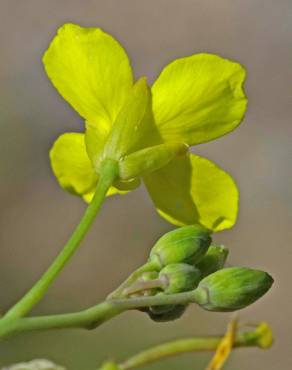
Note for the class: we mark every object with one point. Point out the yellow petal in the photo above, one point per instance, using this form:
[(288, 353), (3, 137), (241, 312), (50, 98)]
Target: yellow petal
[(91, 71), (72, 167), (192, 189), (199, 98)]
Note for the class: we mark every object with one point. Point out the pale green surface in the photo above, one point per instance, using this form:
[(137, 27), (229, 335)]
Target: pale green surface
[(199, 98), (192, 189)]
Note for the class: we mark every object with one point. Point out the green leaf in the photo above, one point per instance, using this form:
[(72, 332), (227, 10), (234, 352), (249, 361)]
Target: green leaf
[(192, 189), (91, 71), (199, 98), (72, 167)]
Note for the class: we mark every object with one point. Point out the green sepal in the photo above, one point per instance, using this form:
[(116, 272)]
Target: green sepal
[(213, 260), (134, 127), (150, 159)]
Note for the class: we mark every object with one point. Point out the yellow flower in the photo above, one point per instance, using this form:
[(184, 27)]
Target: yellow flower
[(194, 100)]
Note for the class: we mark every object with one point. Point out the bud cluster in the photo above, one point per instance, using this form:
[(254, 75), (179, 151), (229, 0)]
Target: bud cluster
[(184, 260)]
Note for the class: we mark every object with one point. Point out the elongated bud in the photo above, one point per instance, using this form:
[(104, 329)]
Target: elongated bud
[(231, 289), (186, 244), (179, 277), (213, 260), (166, 313), (150, 159)]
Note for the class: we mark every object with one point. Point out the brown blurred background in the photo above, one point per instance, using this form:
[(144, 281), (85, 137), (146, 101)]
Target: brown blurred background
[(37, 216)]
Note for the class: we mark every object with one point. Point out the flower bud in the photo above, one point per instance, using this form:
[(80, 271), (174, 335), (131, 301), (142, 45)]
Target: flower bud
[(213, 260), (174, 278), (166, 313), (186, 244), (232, 288), (179, 277)]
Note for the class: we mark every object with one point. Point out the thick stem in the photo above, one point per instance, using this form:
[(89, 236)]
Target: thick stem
[(34, 295), (89, 318)]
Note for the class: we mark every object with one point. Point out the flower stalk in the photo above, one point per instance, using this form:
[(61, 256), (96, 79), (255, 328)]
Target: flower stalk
[(36, 293)]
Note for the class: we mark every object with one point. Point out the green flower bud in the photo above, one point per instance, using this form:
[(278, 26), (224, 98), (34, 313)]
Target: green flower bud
[(179, 277), (213, 260), (186, 244), (174, 278), (166, 313), (231, 289)]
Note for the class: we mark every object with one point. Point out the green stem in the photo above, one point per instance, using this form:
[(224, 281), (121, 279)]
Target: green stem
[(252, 338), (89, 318), (34, 295)]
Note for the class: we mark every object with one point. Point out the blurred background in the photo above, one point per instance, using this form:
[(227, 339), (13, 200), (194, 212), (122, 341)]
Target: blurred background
[(37, 216)]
